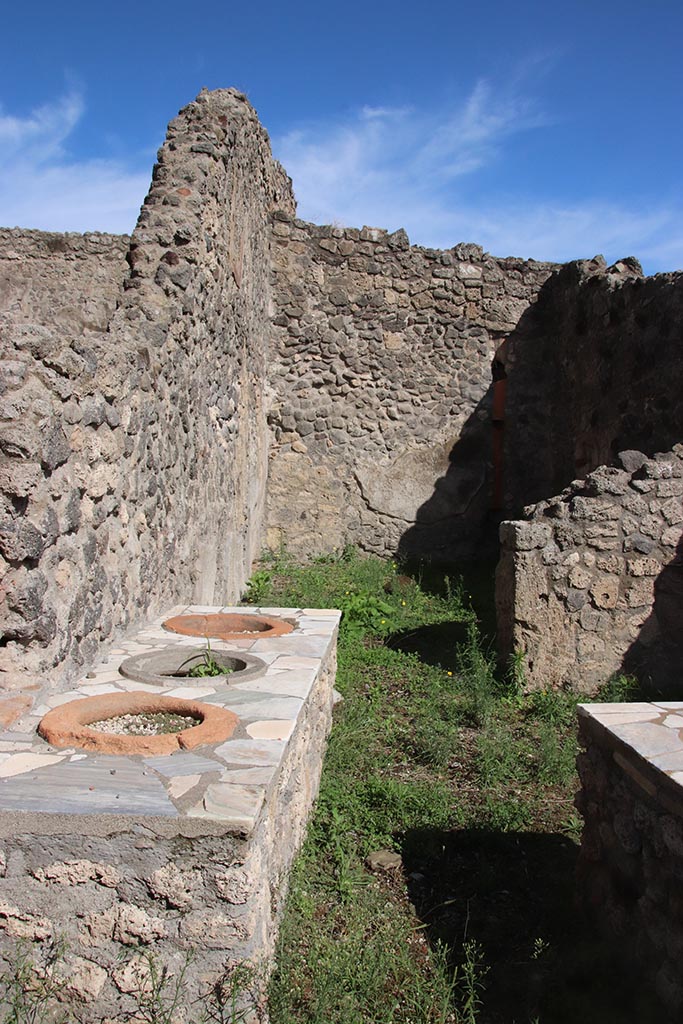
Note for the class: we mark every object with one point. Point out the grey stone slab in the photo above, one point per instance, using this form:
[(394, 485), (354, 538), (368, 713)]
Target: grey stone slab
[(90, 786), (269, 658), (190, 692), (249, 776), (235, 804), (131, 685), (94, 689), (311, 646), (634, 716), (234, 695), (647, 738), (182, 764), (251, 752), (669, 762), (618, 707), (284, 684), (270, 707), (30, 724), (249, 704), (281, 613), (244, 644), (57, 699), (293, 661)]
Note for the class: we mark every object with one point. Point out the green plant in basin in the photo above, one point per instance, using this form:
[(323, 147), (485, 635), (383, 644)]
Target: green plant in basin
[(207, 667)]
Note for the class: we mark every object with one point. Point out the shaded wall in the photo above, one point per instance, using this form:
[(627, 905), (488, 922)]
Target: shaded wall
[(630, 863), (596, 369), (582, 583), (381, 373), (134, 440)]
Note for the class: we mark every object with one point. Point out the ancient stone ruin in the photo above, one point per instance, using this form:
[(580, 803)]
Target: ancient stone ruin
[(231, 377)]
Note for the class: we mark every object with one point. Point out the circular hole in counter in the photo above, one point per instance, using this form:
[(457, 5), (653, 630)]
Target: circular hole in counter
[(175, 664), (90, 724), (228, 625)]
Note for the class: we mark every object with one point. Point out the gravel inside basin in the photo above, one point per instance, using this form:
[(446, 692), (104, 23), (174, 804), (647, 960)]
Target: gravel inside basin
[(146, 724)]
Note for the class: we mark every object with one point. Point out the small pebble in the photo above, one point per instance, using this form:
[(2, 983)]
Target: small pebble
[(144, 724)]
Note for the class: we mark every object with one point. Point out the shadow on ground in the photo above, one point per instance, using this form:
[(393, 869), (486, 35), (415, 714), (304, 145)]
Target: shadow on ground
[(475, 580), (435, 645), (513, 893)]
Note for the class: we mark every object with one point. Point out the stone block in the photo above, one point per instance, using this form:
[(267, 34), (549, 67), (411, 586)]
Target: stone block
[(605, 593), (632, 460), (524, 536), (643, 567)]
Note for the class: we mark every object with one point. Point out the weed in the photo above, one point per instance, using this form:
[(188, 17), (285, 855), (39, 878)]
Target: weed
[(156, 989), (618, 688), (357, 963), (363, 612), (33, 983), (556, 755), (477, 674), (515, 681), (434, 741), (501, 756), (572, 826), (207, 667), (257, 586), (505, 814), (232, 998), (470, 982), (541, 948), (555, 707)]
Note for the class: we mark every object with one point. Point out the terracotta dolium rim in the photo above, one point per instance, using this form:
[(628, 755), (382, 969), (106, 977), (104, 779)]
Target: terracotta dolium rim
[(68, 725), (228, 626)]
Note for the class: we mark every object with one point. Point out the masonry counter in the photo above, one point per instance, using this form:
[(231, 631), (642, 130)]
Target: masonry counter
[(181, 858)]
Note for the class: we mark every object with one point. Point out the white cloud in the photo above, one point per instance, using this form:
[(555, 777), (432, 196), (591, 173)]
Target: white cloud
[(383, 166), (42, 186), (406, 167)]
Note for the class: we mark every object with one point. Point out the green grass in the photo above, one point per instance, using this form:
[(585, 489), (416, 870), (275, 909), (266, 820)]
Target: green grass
[(435, 755)]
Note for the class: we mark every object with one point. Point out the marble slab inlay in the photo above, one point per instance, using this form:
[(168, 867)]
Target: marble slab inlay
[(653, 731), (225, 783)]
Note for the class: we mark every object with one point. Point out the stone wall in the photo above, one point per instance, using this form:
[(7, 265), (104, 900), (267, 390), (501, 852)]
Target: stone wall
[(134, 443), (592, 582), (138, 373), (594, 369), (631, 858), (381, 373)]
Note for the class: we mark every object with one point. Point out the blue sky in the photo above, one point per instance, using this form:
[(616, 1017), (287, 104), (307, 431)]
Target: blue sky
[(542, 130)]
